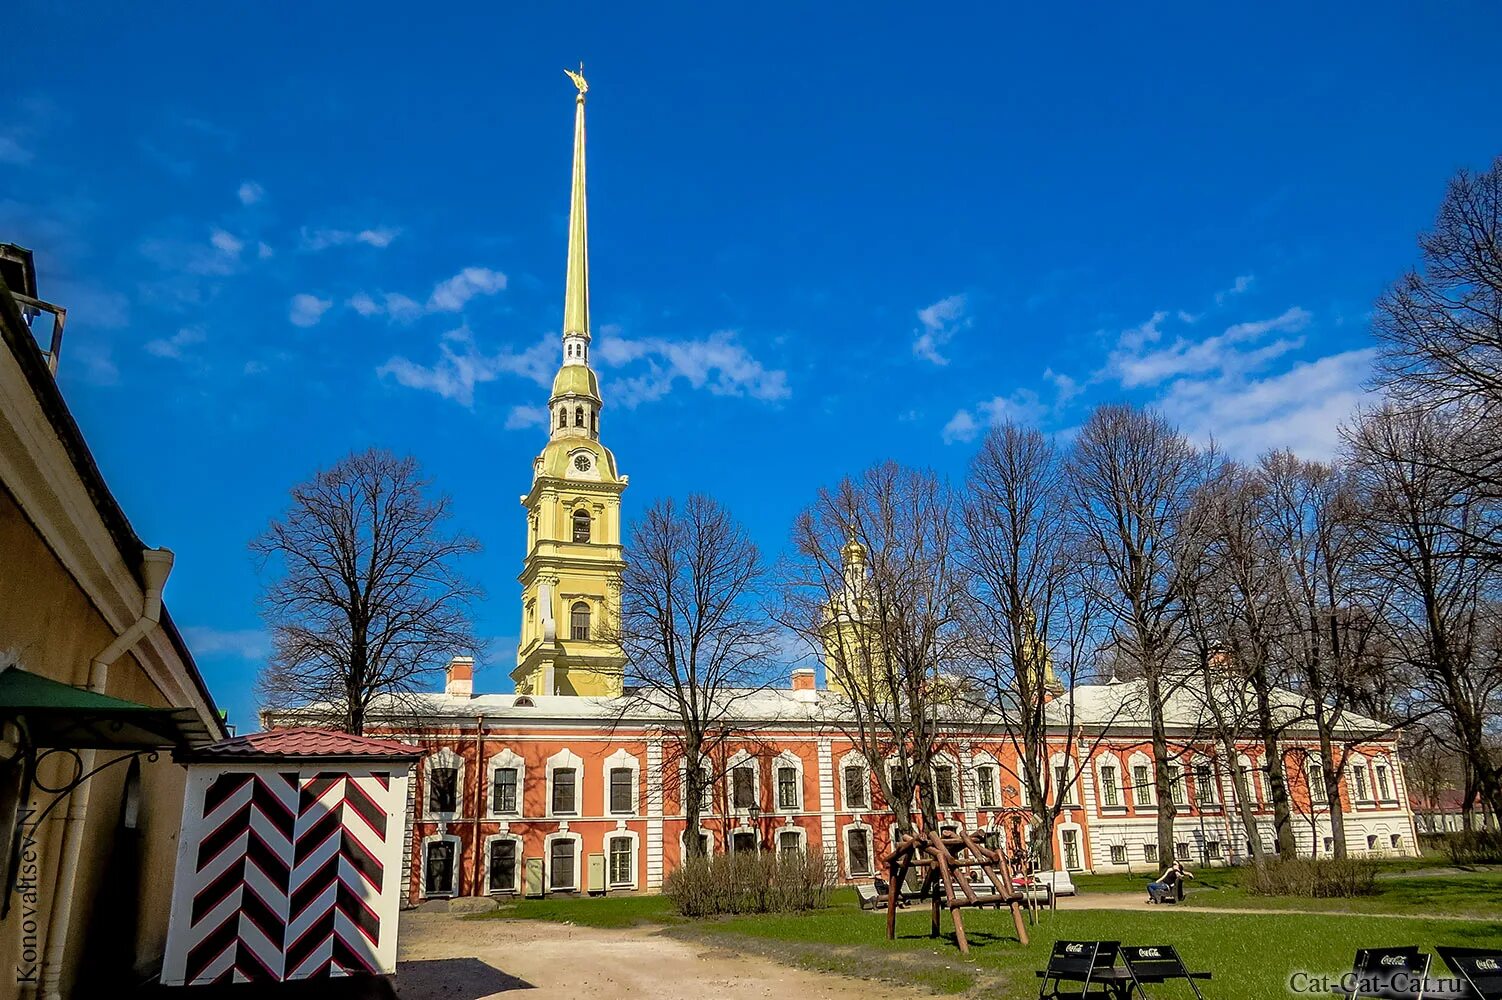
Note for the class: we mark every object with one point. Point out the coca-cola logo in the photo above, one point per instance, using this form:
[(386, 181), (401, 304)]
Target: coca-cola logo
[(1394, 960), (1074, 948), (1487, 965), (1149, 953)]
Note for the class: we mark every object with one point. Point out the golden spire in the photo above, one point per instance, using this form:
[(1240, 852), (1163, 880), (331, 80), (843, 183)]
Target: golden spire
[(576, 287)]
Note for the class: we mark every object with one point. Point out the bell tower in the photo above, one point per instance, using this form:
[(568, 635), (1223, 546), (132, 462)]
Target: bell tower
[(571, 580)]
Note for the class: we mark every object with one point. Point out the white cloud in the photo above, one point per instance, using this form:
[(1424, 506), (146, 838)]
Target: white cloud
[(451, 295), (254, 368), (364, 304), (961, 427), (264, 251), (1134, 367), (718, 363), (1023, 406), (250, 192), (247, 644), (462, 365), (172, 347), (526, 416), (321, 239), (939, 323), (1240, 285), (226, 242), (1300, 409), (307, 310)]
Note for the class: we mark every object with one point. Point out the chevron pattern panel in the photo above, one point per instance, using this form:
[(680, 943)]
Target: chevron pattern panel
[(288, 875)]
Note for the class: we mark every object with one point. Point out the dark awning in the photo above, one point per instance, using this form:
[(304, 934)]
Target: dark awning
[(56, 715)]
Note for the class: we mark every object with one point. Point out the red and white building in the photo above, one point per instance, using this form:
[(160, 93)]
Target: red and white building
[(551, 794)]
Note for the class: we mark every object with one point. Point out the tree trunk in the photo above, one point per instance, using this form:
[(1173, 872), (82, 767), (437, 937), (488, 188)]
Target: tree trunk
[(1332, 794), (693, 799), (1277, 782), (1243, 800)]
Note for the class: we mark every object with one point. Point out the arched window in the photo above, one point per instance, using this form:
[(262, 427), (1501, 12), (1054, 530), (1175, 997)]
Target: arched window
[(579, 621), (581, 525), (594, 421), (562, 417), (578, 416)]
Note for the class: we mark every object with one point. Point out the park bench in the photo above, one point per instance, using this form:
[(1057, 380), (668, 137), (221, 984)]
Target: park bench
[(1386, 974), (1479, 968), (1158, 963), (1083, 962)]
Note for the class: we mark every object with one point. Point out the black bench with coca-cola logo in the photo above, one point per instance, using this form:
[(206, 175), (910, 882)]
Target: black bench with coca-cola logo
[(1093, 963), (1159, 963), (1398, 973), (1479, 968)]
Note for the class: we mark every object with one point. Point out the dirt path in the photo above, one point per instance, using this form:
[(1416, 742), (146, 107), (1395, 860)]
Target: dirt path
[(446, 958)]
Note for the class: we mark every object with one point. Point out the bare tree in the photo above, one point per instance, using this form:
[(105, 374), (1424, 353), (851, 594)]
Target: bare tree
[(368, 599), (1031, 613), (1333, 608), (874, 585), (696, 639), (1228, 615), (1441, 333), (1132, 476), (1420, 516)]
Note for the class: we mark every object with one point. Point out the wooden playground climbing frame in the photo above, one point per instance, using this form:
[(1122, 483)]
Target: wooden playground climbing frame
[(946, 860)]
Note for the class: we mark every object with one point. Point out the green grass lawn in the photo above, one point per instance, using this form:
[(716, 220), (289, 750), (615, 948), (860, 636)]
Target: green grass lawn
[(1401, 889), (1251, 955)]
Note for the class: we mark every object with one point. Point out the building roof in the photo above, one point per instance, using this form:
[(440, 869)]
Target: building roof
[(305, 742), (1118, 705), (18, 339), (1123, 704)]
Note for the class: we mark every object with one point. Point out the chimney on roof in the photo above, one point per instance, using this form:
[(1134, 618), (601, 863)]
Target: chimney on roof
[(803, 679), (459, 677)]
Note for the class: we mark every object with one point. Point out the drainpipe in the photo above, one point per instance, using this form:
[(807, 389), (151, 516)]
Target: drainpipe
[(156, 564)]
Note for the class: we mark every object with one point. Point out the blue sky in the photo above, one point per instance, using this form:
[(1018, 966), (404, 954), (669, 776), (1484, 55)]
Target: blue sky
[(821, 235)]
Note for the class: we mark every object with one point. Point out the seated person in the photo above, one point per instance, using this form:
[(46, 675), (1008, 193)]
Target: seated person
[(1170, 883)]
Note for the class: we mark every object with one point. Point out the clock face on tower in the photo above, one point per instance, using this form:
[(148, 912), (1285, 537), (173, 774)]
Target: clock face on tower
[(581, 462)]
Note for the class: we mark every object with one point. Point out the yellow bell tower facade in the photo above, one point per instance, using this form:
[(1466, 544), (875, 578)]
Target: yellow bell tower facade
[(571, 581)]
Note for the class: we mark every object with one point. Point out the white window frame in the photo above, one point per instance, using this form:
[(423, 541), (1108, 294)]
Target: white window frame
[(781, 831), (742, 758), (956, 778), (635, 839), (854, 759), (1213, 802), (787, 759), (505, 758), (1359, 764), (850, 873), (979, 760), (485, 863), (1079, 846), (1253, 776), (1314, 772), (706, 808), (623, 759), (709, 841), (566, 758), (434, 838), (1382, 761), (1103, 761), (547, 861), (1145, 797), (442, 757), (1072, 796), (742, 831)]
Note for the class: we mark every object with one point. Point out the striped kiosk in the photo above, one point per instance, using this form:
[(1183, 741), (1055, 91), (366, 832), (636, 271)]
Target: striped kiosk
[(290, 861)]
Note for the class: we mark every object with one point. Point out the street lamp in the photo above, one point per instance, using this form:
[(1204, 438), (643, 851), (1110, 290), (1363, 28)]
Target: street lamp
[(753, 813)]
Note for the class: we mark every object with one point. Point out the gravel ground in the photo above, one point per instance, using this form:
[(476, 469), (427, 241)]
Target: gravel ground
[(445, 958)]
